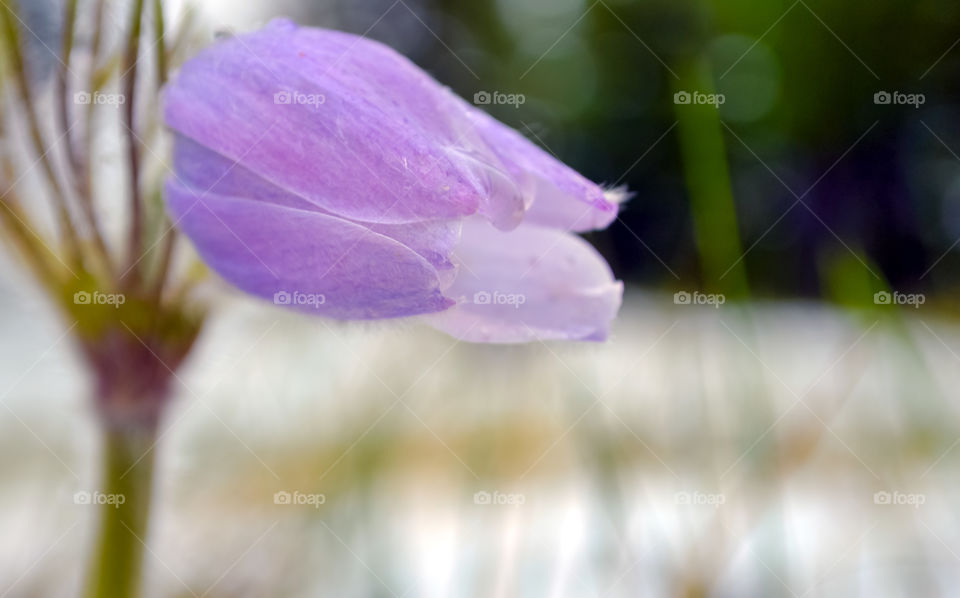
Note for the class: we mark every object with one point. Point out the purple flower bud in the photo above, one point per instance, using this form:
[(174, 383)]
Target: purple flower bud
[(329, 173)]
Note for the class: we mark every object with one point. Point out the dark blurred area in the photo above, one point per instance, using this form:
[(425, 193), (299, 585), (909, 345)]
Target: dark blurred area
[(827, 185)]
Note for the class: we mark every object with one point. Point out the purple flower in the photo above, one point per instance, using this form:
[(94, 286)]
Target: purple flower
[(329, 173)]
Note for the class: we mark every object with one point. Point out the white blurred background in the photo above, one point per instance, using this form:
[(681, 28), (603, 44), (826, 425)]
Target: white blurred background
[(769, 450)]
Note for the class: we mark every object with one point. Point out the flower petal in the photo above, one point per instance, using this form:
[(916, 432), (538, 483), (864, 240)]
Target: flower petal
[(267, 249), (558, 196), (530, 283), (344, 123), (197, 168)]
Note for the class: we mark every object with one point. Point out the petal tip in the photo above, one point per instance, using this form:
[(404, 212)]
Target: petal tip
[(615, 196)]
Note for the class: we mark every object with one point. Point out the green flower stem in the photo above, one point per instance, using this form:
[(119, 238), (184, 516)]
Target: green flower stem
[(707, 174), (115, 570)]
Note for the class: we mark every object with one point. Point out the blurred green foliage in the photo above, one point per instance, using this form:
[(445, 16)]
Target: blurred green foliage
[(799, 122)]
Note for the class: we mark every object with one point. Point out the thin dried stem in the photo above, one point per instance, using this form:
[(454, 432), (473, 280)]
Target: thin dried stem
[(80, 181), (92, 84), (11, 36), (163, 270), (18, 231), (170, 239), (63, 70), (160, 47), (133, 150)]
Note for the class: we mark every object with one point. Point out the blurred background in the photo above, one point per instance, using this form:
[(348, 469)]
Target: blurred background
[(775, 414)]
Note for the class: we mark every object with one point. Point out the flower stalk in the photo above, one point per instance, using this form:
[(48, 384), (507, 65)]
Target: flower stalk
[(131, 323), (127, 482)]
